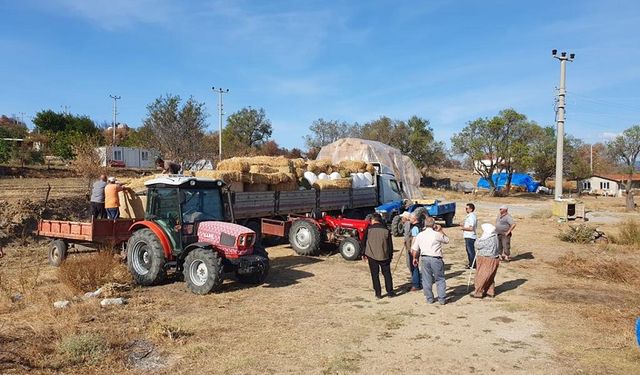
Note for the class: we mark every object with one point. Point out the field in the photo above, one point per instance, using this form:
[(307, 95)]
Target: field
[(561, 308)]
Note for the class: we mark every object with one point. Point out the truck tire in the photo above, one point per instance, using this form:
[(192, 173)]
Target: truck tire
[(57, 252), (203, 271), (397, 226), (304, 237), (145, 258), (350, 248), (260, 276), (448, 219)]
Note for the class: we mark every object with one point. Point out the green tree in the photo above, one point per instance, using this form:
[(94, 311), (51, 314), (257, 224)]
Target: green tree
[(176, 130), (5, 151), (248, 127), (63, 129), (324, 132), (625, 148)]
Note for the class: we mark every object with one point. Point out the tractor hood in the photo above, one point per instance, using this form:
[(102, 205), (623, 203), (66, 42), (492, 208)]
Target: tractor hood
[(389, 206), (233, 239)]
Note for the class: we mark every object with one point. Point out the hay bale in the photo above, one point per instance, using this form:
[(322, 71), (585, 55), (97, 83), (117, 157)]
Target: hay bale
[(272, 161), (284, 186), (370, 168), (342, 183), (137, 184), (320, 166), (271, 178), (224, 175), (352, 166), (263, 169), (299, 163), (234, 164), (299, 172)]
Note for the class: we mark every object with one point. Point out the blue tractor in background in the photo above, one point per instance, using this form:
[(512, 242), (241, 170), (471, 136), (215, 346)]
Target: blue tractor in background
[(391, 212)]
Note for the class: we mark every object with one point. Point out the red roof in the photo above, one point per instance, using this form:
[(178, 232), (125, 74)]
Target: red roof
[(620, 177)]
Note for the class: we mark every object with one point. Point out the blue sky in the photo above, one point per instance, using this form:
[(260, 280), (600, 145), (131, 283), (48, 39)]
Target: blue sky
[(446, 61)]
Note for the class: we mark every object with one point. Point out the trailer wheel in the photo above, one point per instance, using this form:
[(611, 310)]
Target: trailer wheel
[(260, 276), (145, 258), (203, 271), (350, 248), (304, 237), (397, 226), (57, 252), (448, 219)]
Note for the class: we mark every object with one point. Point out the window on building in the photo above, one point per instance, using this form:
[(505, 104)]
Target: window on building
[(117, 154), (604, 185), (586, 185), (144, 155)]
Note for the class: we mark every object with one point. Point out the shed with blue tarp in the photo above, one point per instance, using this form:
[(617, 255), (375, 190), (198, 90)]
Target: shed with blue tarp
[(518, 179)]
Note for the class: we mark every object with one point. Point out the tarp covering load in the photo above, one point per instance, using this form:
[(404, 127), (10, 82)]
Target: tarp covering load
[(376, 152), (520, 181)]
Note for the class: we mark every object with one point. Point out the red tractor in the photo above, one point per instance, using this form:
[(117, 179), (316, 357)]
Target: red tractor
[(184, 229), (306, 233)]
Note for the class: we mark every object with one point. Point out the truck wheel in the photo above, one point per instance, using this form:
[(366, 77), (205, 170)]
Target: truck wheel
[(145, 257), (397, 226), (203, 271), (260, 276), (448, 219), (57, 252), (304, 237), (350, 248)]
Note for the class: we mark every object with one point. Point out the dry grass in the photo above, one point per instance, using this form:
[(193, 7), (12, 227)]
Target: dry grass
[(598, 267), (542, 213), (628, 234), (89, 272), (85, 348), (577, 234)]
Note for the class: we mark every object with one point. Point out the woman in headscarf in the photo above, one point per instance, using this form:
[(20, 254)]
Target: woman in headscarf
[(487, 262)]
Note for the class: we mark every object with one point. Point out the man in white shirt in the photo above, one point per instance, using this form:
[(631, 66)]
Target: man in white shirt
[(428, 246), (469, 233)]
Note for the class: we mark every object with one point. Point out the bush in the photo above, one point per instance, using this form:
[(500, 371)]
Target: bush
[(87, 273), (84, 348), (628, 234), (578, 234)]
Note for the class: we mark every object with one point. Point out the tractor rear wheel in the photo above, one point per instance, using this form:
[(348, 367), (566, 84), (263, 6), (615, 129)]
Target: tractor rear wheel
[(397, 226), (350, 248), (304, 237), (145, 257), (57, 252), (203, 271), (448, 219)]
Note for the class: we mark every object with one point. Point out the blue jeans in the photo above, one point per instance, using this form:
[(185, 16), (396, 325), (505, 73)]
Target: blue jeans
[(469, 243), (414, 271), (113, 213), (432, 269)]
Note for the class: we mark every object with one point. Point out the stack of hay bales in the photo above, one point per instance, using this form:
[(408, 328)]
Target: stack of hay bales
[(259, 173), (137, 184)]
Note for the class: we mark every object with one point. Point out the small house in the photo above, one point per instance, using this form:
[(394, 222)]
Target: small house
[(601, 185), (129, 157)]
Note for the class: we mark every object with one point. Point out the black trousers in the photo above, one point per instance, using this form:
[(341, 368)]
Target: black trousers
[(374, 267), (98, 211)]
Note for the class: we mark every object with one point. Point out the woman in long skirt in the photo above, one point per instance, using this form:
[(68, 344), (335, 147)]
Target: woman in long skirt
[(487, 262)]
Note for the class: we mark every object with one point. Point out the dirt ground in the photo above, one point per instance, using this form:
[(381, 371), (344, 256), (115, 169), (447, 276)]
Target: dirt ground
[(318, 315)]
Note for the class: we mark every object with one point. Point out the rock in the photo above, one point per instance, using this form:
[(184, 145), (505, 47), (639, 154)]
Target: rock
[(61, 304), (113, 301), (92, 294)]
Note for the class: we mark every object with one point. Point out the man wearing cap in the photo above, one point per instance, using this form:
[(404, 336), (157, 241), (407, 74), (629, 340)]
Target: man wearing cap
[(414, 228), (504, 228), (427, 247), (111, 199)]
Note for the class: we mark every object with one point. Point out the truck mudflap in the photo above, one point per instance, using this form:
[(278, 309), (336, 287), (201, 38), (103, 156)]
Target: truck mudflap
[(249, 264)]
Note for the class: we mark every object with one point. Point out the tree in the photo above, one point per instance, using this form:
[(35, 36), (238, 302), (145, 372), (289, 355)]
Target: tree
[(502, 142), (176, 130), (626, 148), (542, 148), (248, 128), (325, 132), (63, 129)]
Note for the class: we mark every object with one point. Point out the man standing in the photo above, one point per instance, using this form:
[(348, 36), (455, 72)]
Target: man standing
[(504, 228), (469, 233), (97, 198), (414, 230), (167, 166), (378, 252), (111, 199), (428, 245)]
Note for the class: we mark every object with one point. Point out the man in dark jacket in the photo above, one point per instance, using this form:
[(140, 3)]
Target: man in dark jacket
[(378, 252)]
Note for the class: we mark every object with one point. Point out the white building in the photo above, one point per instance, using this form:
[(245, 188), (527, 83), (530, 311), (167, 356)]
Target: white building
[(129, 157), (601, 185)]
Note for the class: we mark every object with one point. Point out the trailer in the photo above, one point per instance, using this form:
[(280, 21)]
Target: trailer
[(98, 233)]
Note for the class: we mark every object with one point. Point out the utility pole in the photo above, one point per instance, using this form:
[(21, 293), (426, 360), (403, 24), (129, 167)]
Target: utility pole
[(591, 158), (220, 92), (560, 118), (115, 112)]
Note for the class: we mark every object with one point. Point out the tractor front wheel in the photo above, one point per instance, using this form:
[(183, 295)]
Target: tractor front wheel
[(397, 226), (350, 248), (203, 271), (145, 258)]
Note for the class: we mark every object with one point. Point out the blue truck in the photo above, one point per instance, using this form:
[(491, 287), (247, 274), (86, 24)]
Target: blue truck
[(391, 212)]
